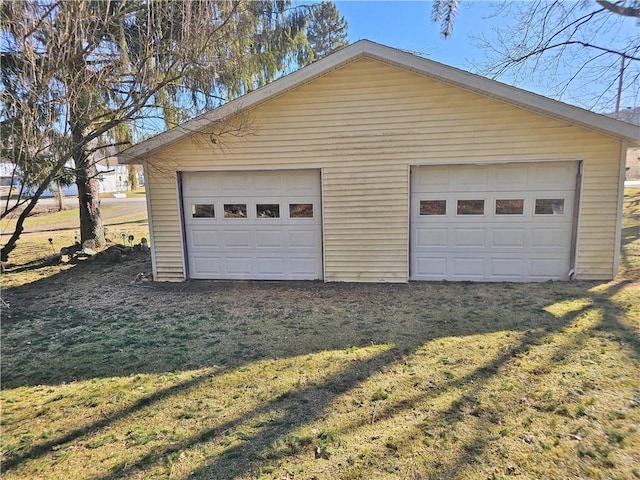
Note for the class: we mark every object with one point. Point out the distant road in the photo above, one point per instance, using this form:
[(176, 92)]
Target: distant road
[(110, 208), (73, 201)]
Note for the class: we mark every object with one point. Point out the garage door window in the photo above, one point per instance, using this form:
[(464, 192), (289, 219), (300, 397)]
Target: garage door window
[(433, 207), (549, 206), (235, 210), (202, 211), (267, 210), (509, 207), (470, 207), (301, 210)]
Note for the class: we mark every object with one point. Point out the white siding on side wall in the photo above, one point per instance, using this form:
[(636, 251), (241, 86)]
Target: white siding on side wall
[(364, 124)]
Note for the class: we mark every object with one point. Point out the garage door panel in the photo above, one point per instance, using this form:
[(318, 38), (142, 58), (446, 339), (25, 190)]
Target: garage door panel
[(548, 267), (197, 186), (433, 237), (551, 175), (236, 239), (432, 266), (464, 268), (204, 238), (280, 219), (509, 237), (267, 183), (269, 239), (301, 183), (270, 265), (469, 237), (437, 176), (238, 265), (549, 237), (303, 265), (474, 176), (510, 240), (509, 268), (207, 265), (508, 177), (233, 184), (299, 238)]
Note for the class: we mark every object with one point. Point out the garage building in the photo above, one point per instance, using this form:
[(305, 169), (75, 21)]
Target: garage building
[(375, 165)]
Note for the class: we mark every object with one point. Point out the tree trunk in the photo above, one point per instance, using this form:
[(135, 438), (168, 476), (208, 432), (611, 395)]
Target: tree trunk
[(133, 177), (59, 197), (91, 226)]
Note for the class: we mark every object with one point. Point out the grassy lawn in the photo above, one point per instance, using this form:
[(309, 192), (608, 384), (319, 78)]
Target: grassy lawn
[(30, 261), (105, 377)]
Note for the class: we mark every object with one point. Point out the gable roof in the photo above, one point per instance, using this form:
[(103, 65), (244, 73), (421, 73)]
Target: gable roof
[(407, 61)]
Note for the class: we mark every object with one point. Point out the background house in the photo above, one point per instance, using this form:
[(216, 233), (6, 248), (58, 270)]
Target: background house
[(8, 175), (112, 177)]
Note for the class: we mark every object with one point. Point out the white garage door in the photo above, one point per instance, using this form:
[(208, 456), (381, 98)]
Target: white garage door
[(262, 225), (507, 222)]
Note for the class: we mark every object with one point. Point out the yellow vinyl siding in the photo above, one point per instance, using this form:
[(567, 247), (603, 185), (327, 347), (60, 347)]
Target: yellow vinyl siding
[(364, 124), (372, 206), (597, 224), (166, 225)]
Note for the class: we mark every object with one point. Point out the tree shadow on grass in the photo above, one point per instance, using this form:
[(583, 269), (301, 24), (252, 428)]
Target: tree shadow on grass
[(95, 321), (300, 408), (248, 455), (74, 327), (630, 259), (44, 448), (612, 318), (232, 324), (610, 321), (306, 405), (38, 264)]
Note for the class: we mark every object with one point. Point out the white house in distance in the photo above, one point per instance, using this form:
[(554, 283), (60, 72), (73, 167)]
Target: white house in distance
[(11, 181), (112, 177), (376, 165)]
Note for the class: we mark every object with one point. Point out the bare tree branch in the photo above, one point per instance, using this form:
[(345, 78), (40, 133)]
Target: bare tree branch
[(569, 47), (82, 77), (620, 9)]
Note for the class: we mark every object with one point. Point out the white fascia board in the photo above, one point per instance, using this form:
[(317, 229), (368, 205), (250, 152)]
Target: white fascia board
[(437, 71)]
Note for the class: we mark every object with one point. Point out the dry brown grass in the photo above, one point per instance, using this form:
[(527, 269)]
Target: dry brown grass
[(105, 378)]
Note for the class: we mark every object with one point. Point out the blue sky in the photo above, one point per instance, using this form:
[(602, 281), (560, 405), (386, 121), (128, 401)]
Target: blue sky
[(407, 25)]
